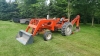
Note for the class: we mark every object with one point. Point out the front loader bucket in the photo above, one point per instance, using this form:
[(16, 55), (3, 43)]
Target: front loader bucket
[(24, 37)]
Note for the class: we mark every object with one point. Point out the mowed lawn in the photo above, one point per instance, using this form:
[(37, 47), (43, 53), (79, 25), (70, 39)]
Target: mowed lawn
[(83, 43)]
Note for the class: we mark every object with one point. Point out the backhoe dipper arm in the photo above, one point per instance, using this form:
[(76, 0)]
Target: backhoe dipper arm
[(76, 20)]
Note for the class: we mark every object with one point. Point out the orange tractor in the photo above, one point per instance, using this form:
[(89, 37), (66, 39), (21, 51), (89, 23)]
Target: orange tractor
[(46, 26)]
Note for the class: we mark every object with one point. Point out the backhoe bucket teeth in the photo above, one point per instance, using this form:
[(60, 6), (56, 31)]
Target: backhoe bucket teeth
[(24, 37)]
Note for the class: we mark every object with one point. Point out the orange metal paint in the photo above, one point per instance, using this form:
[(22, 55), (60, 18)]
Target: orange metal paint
[(39, 25)]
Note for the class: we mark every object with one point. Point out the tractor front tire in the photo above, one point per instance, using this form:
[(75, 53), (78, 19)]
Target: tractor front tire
[(47, 35), (66, 29)]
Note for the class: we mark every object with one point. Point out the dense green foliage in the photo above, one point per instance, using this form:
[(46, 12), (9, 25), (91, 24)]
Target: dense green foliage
[(8, 10), (89, 10)]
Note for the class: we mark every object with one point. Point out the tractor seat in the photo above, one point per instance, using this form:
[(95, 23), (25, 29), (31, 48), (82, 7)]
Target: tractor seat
[(60, 21)]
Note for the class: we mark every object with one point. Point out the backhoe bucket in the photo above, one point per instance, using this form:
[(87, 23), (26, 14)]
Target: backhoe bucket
[(24, 37)]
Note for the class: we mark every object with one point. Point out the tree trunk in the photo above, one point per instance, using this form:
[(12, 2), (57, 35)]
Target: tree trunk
[(10, 1), (98, 21), (35, 12), (69, 10), (85, 20), (92, 21)]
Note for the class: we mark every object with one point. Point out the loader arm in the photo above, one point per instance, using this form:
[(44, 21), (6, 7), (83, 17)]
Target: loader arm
[(41, 25), (76, 20)]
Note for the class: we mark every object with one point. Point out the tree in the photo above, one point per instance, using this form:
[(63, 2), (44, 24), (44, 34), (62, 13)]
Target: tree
[(31, 8), (58, 8), (3, 10), (8, 10), (95, 4), (87, 9), (38, 8)]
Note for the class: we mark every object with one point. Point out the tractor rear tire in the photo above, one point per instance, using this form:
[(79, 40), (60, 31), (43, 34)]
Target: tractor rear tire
[(66, 29), (47, 35)]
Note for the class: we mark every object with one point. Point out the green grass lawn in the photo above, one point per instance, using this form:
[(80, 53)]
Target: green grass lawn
[(83, 43)]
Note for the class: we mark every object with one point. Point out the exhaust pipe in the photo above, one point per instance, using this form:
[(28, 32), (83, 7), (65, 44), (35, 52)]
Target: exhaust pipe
[(24, 37)]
